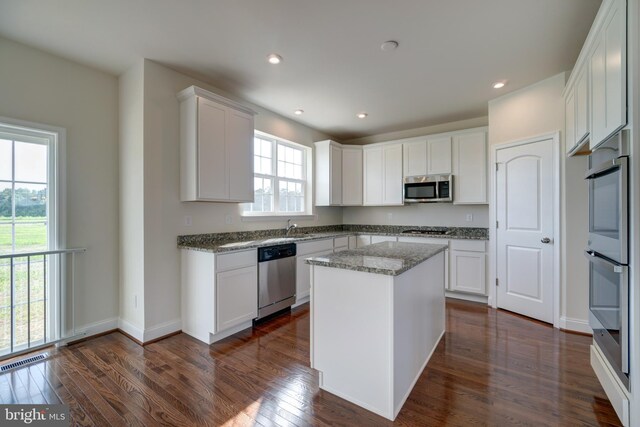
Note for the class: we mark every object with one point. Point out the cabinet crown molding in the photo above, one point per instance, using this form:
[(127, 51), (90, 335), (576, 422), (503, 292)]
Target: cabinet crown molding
[(203, 93)]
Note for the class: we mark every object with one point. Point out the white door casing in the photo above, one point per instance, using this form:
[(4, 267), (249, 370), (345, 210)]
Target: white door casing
[(525, 206)]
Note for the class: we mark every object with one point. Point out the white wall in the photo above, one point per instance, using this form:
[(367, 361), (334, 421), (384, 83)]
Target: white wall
[(163, 211), (38, 87), (430, 214), (131, 199), (535, 110)]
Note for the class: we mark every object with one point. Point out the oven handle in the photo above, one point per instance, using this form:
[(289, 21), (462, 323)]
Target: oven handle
[(624, 302), (606, 167), (594, 257)]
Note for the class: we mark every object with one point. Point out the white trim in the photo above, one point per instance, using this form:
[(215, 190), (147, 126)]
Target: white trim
[(99, 327), (131, 329), (576, 325), (161, 330), (271, 217), (493, 249), (467, 297)]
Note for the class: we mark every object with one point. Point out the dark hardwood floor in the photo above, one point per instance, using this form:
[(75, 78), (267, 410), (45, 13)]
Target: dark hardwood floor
[(492, 368)]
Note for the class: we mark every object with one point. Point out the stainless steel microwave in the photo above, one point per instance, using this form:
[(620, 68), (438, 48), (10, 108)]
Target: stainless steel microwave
[(429, 188)]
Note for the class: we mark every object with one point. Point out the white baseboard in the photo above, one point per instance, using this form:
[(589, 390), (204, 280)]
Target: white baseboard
[(301, 301), (161, 330), (466, 297), (131, 329), (576, 325), (96, 328)]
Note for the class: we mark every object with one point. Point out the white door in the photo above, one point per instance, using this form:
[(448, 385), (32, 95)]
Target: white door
[(373, 176), (525, 210), (392, 171)]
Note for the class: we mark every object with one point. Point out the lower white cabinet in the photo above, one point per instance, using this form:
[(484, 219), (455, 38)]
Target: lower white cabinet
[(362, 240), (468, 267), (236, 297), (427, 240), (303, 270), (219, 293)]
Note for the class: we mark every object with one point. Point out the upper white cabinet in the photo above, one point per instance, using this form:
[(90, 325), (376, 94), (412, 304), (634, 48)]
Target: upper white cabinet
[(415, 158), (383, 175), (393, 187), (328, 160), (351, 175), (596, 93), (338, 170), (372, 165), (608, 74), (216, 148), (439, 155), (470, 167)]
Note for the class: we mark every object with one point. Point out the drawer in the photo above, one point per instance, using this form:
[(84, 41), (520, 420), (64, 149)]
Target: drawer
[(430, 240), (340, 242), (234, 260), (469, 245), (315, 246)]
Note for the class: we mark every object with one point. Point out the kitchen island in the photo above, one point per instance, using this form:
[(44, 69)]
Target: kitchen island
[(377, 315)]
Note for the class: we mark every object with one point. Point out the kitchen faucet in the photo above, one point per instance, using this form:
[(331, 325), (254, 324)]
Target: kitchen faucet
[(290, 226)]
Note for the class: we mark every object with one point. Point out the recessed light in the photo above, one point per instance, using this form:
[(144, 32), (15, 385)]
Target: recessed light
[(298, 112), (274, 58), (389, 45), (499, 85), (361, 115)]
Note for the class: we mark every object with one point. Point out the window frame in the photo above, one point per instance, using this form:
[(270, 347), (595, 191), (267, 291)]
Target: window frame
[(307, 182)]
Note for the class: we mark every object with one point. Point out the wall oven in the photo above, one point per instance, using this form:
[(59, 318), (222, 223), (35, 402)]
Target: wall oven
[(608, 252), (429, 188)]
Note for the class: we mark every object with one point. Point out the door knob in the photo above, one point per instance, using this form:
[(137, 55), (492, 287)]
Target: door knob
[(545, 240)]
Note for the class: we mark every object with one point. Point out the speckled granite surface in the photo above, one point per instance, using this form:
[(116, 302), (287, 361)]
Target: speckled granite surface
[(241, 240), (388, 258)]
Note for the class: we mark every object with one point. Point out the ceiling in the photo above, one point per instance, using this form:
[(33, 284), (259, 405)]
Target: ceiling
[(450, 50)]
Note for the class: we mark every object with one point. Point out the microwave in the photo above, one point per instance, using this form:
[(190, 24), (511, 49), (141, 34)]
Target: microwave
[(429, 188)]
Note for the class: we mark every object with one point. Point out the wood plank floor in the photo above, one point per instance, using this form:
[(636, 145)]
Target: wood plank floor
[(492, 368)]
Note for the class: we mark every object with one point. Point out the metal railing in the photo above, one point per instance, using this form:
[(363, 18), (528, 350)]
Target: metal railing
[(37, 299)]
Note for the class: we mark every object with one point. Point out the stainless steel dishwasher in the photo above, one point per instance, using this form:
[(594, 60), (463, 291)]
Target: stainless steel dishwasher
[(276, 278)]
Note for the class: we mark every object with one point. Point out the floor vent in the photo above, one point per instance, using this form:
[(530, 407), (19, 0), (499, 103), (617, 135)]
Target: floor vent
[(23, 362)]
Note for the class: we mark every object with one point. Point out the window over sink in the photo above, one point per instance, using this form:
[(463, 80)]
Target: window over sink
[(282, 178)]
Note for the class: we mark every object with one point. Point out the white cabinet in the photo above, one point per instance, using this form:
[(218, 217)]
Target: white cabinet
[(340, 244), (362, 241), (328, 162), (470, 168), (468, 267), (415, 158), (236, 297), (427, 240), (383, 175), (351, 175), (216, 148), (439, 155), (353, 242), (338, 170), (219, 293), (378, 239), (392, 192), (607, 66), (306, 250), (582, 107), (373, 165), (570, 120)]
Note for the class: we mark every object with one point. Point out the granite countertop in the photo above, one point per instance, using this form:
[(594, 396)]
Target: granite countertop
[(242, 240), (388, 258)]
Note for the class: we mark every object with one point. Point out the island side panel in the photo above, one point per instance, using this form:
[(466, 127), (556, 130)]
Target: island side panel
[(197, 294), (351, 315), (418, 323)]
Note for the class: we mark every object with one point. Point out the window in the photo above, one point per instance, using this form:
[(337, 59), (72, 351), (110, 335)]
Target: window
[(281, 180), (29, 222)]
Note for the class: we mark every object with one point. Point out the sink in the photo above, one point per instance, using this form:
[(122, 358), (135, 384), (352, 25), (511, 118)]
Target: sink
[(279, 240)]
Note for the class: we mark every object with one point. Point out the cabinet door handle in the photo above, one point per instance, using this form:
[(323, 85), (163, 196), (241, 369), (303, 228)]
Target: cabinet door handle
[(545, 240)]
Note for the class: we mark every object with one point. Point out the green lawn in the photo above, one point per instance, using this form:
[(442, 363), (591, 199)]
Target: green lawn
[(30, 235)]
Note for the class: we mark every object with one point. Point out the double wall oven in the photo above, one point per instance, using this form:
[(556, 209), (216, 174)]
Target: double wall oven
[(608, 252)]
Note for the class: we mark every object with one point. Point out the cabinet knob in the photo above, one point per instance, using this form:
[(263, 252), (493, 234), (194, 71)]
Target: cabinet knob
[(545, 240)]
